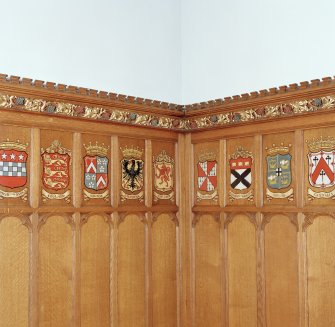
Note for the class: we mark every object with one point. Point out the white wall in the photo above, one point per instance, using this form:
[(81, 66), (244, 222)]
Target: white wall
[(238, 46), (125, 46), (180, 51)]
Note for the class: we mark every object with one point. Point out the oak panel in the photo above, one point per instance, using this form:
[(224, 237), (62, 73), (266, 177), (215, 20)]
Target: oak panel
[(131, 290), (163, 178), (96, 193), (55, 273), (241, 194), (276, 146), (16, 196), (128, 194), (164, 284), (48, 137), (209, 152), (281, 273), (208, 267), (242, 285), (321, 272), (95, 261), (14, 277), (319, 195)]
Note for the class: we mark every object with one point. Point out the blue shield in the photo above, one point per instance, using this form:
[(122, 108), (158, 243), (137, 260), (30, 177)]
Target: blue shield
[(279, 171)]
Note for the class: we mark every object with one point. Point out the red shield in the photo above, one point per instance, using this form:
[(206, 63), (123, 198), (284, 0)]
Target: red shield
[(13, 169), (56, 171)]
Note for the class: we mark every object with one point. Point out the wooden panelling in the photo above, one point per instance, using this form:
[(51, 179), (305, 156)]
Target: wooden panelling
[(281, 273), (321, 272), (131, 263), (242, 299), (164, 272), (168, 245), (208, 266), (55, 286), (95, 267), (14, 276)]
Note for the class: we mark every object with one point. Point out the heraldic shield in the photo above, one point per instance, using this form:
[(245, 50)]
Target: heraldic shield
[(132, 169), (321, 168), (96, 172), (279, 171), (56, 167), (163, 166), (13, 170), (207, 177), (240, 173)]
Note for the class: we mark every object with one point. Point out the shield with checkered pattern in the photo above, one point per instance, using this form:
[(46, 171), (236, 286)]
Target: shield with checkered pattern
[(13, 168)]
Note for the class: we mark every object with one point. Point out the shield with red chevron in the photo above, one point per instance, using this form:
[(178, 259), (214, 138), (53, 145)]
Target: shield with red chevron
[(96, 172), (321, 168)]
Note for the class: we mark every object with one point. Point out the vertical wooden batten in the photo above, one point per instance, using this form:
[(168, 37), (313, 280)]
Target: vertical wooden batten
[(35, 161)]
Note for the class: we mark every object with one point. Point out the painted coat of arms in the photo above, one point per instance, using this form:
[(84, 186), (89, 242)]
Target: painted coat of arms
[(163, 177), (207, 177), (240, 175), (321, 167), (279, 176), (132, 174), (96, 172), (56, 171), (13, 169)]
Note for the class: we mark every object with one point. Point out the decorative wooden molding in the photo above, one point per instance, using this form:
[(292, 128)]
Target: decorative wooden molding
[(269, 215), (196, 217), (79, 103), (42, 219), (123, 215), (231, 215), (84, 218), (172, 215), (310, 217), (25, 219)]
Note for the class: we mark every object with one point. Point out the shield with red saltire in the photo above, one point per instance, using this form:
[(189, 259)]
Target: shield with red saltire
[(207, 177), (96, 172), (56, 170), (321, 168), (13, 168)]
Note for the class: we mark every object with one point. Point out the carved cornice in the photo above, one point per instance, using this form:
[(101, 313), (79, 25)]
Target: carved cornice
[(79, 103)]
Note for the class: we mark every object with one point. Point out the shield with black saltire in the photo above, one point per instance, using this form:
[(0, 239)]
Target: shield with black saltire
[(240, 173)]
